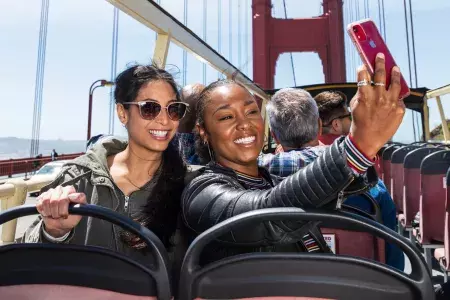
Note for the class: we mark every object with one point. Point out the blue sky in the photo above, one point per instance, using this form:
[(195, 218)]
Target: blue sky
[(79, 52)]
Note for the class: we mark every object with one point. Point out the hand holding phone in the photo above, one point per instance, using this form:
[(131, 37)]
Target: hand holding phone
[(369, 43)]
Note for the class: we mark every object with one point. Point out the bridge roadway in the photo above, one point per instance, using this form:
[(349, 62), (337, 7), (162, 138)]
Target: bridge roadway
[(25, 222)]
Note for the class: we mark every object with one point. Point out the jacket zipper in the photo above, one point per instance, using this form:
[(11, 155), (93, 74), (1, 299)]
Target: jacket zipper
[(125, 206)]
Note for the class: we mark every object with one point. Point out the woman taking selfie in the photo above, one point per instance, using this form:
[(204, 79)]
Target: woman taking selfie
[(231, 136), (141, 178)]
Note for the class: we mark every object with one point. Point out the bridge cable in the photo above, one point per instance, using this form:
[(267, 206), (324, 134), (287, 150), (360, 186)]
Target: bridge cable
[(230, 31), (185, 22), (219, 32), (34, 147), (40, 79), (292, 58), (414, 60), (384, 20), (409, 62), (247, 4), (205, 9), (380, 17), (239, 35), (114, 47)]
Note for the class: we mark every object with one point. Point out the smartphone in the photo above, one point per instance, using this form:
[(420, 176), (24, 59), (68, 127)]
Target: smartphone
[(368, 41)]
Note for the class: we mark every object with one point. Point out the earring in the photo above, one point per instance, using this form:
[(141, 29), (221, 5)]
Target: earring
[(211, 156)]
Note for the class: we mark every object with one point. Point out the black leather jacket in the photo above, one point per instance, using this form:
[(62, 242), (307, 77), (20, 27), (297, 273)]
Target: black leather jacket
[(216, 195)]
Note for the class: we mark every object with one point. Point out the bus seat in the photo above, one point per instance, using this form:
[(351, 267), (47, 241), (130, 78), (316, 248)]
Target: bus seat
[(397, 159), (359, 244), (433, 171), (68, 271), (271, 275), (443, 254), (386, 161), (411, 179)]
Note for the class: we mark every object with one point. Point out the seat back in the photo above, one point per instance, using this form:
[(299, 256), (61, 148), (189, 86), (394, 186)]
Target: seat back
[(433, 172), (411, 180), (88, 272), (358, 244), (446, 262), (325, 276), (397, 159), (379, 162), (386, 161)]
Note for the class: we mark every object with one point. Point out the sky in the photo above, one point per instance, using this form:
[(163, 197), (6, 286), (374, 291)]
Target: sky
[(79, 43)]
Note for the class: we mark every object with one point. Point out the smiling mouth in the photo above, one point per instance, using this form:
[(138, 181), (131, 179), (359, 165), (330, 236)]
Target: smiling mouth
[(246, 140), (159, 134)]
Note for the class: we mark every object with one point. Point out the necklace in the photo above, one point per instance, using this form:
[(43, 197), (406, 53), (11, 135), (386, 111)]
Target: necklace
[(149, 175)]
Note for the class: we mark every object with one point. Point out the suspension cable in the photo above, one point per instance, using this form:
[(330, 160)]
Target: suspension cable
[(230, 31), (380, 18), (114, 47), (219, 31), (247, 58), (239, 35), (384, 20), (205, 8), (292, 58), (413, 43), (185, 20)]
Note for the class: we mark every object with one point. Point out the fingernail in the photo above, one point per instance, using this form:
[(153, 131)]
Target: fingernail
[(380, 55), (73, 196), (396, 69)]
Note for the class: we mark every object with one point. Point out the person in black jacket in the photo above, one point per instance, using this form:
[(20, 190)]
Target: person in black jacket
[(231, 136)]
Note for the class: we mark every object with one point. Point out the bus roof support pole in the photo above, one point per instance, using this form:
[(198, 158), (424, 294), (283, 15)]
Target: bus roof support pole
[(161, 49), (426, 120)]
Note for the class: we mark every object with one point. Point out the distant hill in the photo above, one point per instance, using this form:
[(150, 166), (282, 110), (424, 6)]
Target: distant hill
[(11, 147), (437, 133)]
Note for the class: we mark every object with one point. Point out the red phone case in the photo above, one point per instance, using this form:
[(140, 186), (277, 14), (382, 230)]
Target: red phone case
[(369, 43)]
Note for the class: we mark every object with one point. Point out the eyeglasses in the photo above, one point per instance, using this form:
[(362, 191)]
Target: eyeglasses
[(349, 115), (150, 110)]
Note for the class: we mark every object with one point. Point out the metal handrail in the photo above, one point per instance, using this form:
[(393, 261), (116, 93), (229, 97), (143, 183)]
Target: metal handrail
[(14, 193)]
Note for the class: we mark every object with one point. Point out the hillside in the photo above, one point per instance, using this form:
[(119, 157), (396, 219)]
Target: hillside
[(437, 134), (11, 147)]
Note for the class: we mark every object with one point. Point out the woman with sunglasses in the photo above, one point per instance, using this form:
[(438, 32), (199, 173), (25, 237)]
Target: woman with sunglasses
[(141, 178), (231, 136)]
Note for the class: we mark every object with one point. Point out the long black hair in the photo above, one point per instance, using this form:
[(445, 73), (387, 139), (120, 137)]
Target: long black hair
[(160, 214), (203, 99)]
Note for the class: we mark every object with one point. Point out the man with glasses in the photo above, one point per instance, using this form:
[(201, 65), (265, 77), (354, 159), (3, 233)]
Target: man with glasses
[(335, 115), (294, 119)]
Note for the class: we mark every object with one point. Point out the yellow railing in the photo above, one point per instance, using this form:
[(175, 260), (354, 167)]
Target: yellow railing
[(14, 193)]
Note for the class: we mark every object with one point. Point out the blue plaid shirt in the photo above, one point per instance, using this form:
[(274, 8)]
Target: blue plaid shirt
[(287, 163)]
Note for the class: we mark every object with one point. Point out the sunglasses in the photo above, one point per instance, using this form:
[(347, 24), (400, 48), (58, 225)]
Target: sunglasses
[(150, 110), (341, 117)]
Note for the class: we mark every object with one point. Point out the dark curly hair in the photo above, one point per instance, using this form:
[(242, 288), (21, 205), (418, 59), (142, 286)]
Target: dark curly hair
[(160, 214), (203, 99)]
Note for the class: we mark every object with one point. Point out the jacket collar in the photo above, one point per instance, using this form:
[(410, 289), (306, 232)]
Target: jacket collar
[(216, 168)]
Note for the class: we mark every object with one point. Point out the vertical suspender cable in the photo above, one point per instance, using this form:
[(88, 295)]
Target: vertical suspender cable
[(230, 21), (44, 43), (36, 85), (156, 34), (380, 18), (205, 8), (34, 147), (414, 62), (185, 21), (114, 46), (409, 62), (292, 58), (247, 58), (219, 32), (239, 36), (384, 20)]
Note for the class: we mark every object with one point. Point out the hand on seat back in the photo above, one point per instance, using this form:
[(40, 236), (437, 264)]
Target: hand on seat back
[(377, 112), (53, 205)]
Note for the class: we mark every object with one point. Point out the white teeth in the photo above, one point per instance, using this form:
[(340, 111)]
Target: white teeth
[(159, 133), (246, 140)]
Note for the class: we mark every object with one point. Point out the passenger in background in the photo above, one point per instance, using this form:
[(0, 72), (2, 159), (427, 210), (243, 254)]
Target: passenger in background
[(231, 136), (335, 116), (142, 178), (189, 94), (295, 124)]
